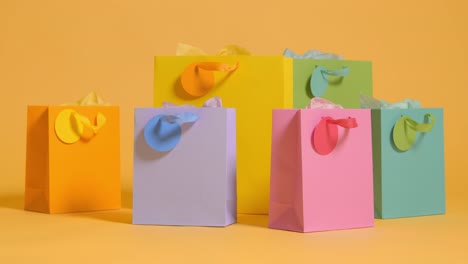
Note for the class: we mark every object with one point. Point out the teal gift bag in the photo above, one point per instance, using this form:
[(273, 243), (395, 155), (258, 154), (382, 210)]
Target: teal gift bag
[(409, 167), (317, 74)]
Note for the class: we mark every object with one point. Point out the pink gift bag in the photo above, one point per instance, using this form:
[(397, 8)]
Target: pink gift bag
[(321, 170)]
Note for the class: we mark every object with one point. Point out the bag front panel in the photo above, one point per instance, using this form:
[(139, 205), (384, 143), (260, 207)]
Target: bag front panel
[(85, 175), (188, 184), (337, 187), (413, 181)]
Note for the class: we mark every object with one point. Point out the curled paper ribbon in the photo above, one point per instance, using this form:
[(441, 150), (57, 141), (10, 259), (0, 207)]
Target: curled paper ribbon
[(405, 131), (312, 54), (320, 76), (71, 126), (163, 132), (198, 78), (372, 103), (320, 103), (325, 135), (188, 50)]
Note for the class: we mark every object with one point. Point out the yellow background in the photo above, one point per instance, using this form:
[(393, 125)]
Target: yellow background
[(53, 52)]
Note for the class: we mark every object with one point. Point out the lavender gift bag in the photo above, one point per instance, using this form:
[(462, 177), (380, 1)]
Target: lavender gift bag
[(185, 165)]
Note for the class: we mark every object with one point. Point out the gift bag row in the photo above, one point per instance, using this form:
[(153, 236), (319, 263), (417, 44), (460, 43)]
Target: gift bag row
[(327, 168)]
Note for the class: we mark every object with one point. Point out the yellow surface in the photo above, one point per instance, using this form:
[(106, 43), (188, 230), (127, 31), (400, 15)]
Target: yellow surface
[(53, 52), (257, 78), (108, 237)]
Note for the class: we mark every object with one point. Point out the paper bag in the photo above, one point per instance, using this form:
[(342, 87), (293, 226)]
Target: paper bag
[(185, 169), (72, 159), (321, 170), (409, 165)]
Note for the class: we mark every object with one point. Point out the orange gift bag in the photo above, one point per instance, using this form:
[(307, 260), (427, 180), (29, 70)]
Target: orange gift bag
[(73, 157)]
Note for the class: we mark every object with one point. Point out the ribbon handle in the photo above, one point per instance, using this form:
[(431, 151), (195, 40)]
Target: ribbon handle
[(216, 66), (163, 132), (198, 78), (406, 129), (181, 118), (325, 134), (320, 76), (345, 122), (71, 126)]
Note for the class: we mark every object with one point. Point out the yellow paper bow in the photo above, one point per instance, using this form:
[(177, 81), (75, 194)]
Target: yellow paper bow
[(188, 50), (71, 126)]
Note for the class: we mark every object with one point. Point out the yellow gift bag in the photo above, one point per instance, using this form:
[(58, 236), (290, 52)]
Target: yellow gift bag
[(254, 85)]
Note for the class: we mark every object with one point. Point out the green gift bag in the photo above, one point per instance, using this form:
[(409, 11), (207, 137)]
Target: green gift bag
[(328, 76), (409, 158), (409, 166)]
